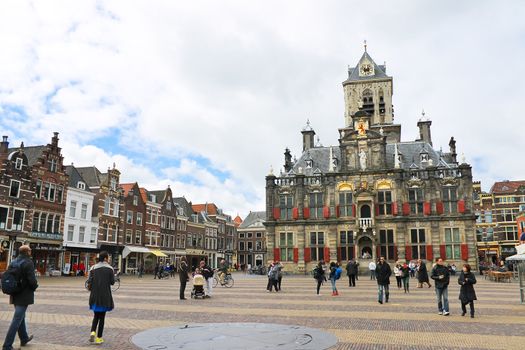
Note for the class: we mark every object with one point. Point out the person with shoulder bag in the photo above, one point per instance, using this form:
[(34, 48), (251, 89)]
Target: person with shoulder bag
[(101, 278), (467, 294), (20, 277)]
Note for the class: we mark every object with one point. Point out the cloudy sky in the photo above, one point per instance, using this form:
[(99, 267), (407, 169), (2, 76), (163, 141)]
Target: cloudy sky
[(205, 95)]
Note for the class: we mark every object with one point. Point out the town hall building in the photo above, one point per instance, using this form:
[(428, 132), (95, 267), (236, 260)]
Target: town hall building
[(372, 194)]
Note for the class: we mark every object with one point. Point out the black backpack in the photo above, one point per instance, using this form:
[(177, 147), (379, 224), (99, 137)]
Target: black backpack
[(12, 279)]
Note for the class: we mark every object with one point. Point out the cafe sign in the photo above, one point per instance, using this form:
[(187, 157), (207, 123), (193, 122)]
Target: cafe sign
[(195, 252), (45, 235)]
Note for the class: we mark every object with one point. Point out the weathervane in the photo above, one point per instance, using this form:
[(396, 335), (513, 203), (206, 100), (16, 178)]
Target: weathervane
[(364, 42)]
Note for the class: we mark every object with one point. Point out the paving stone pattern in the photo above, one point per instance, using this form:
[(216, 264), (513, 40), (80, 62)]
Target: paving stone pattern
[(60, 319)]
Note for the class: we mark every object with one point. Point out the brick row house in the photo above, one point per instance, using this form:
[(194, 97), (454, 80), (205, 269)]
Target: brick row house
[(372, 194), (497, 216), (251, 240)]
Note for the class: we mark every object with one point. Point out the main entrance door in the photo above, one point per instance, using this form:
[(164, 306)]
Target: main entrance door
[(365, 247)]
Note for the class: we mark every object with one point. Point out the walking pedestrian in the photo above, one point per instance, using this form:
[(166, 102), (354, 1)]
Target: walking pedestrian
[(412, 267), (101, 278), (141, 270), (183, 276), (441, 277), (351, 272), (279, 268), (273, 277), (24, 296), (422, 274), (405, 277), (372, 268), (467, 294), (207, 272), (383, 273), (319, 276), (398, 273), (156, 271), (332, 276)]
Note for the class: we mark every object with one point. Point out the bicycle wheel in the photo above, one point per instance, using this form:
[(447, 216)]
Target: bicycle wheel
[(228, 282), (215, 282), (116, 286)]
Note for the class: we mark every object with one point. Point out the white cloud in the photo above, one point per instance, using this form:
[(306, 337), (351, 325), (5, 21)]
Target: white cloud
[(234, 82)]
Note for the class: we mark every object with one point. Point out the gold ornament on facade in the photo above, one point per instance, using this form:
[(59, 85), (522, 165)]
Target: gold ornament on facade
[(345, 186), (384, 184)]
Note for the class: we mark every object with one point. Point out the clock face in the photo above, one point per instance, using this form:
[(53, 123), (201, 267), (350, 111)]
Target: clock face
[(366, 69)]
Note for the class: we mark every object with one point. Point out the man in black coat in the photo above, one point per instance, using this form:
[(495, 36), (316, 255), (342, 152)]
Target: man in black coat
[(383, 273), (441, 276), (351, 272), (183, 276), (22, 299)]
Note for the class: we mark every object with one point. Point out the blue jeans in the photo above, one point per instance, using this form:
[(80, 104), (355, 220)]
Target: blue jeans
[(332, 281), (18, 324), (442, 299), (382, 289)]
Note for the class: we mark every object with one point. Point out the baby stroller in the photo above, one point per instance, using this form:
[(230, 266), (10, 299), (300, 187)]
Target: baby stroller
[(198, 286)]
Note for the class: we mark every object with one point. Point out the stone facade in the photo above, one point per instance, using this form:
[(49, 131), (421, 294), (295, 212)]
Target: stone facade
[(370, 195)]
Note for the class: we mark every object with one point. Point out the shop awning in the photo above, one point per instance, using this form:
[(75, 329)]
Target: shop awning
[(134, 249), (517, 257), (158, 253)]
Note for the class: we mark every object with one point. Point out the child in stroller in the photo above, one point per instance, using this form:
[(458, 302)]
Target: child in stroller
[(198, 284)]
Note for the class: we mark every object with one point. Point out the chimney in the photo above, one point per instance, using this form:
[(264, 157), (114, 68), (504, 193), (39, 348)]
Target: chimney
[(287, 160), (4, 146), (424, 131), (452, 145), (54, 140), (308, 137)]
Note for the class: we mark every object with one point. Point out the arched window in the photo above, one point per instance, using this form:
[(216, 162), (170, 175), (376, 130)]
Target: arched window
[(368, 101), (381, 102)]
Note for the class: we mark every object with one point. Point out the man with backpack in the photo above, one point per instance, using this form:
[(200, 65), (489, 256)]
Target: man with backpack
[(19, 281)]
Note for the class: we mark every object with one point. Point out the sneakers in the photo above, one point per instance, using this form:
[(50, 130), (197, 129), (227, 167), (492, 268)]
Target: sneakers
[(92, 337), (440, 313), (380, 302), (99, 341), (446, 313)]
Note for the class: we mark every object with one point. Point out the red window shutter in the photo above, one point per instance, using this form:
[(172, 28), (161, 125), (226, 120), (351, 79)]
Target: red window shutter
[(395, 252), (338, 253), (406, 209), (296, 255), (337, 211), (443, 252), (408, 252), (276, 213), (430, 252), (395, 211), (326, 212), (378, 252), (326, 254), (377, 209), (307, 255), (426, 208), (464, 251), (295, 213), (306, 213), (439, 208), (461, 207), (353, 210), (276, 254)]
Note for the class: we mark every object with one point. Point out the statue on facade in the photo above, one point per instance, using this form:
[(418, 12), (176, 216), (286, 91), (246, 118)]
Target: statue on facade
[(362, 160)]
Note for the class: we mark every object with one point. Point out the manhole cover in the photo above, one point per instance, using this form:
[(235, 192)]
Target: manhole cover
[(234, 336)]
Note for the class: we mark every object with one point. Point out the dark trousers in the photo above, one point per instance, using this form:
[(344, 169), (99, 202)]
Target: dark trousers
[(351, 280), (18, 325), (182, 288), (279, 282), (272, 284), (98, 320), (319, 283), (398, 280), (464, 307), (156, 274)]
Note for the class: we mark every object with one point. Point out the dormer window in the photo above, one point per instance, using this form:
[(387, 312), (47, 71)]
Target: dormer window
[(81, 185), (424, 157), (168, 205), (18, 164), (135, 200), (309, 164)]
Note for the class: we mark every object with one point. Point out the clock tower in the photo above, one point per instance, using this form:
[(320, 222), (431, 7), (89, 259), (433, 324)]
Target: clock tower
[(368, 88)]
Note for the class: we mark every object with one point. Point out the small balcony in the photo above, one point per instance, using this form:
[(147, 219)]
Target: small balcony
[(365, 223)]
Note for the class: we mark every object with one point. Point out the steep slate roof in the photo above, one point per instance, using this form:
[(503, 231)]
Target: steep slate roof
[(32, 153), (321, 160), (502, 187), (379, 70), (254, 219), (183, 203), (209, 208), (75, 177), (159, 195), (92, 176)]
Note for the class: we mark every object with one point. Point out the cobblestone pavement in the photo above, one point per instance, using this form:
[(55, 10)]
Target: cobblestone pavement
[(60, 319)]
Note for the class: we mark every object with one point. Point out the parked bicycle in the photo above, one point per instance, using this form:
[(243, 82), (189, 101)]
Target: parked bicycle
[(114, 287), (228, 280)]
